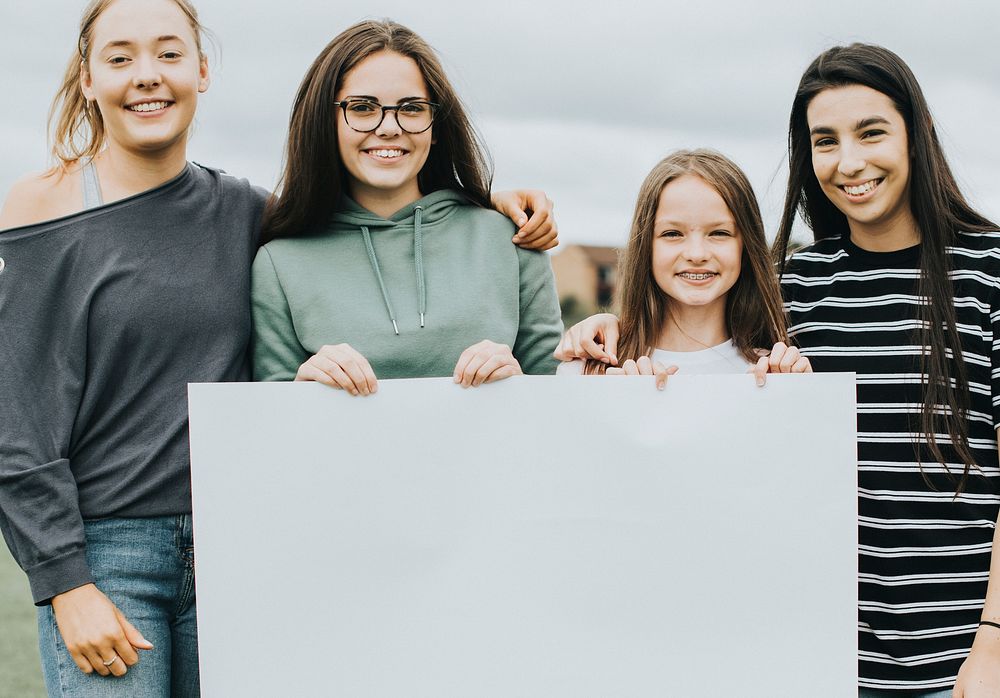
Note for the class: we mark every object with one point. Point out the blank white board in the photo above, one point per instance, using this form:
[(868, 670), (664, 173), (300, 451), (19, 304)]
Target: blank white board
[(540, 537)]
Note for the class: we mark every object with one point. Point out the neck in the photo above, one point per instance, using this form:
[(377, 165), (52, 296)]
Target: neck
[(382, 202), (693, 328), (125, 173), (897, 233)]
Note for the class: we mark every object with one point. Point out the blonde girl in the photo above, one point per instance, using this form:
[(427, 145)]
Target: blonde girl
[(697, 290)]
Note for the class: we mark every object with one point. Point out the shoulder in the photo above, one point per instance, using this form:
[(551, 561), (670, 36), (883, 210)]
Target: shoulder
[(975, 264), (231, 184), (240, 202), (820, 251), (975, 246), (294, 253), (820, 256), (42, 196), (483, 230), (484, 220)]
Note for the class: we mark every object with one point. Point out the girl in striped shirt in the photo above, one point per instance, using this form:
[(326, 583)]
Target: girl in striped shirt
[(902, 287)]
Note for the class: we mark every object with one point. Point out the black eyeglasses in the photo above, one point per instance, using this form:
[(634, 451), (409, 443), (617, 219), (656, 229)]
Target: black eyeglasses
[(364, 115)]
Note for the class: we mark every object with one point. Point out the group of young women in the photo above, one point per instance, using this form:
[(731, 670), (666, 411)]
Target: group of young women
[(128, 272)]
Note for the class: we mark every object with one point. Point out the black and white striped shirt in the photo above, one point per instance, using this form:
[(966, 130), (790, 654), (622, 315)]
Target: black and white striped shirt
[(924, 554)]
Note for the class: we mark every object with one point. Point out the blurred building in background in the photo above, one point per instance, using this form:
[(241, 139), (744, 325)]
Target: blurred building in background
[(586, 279)]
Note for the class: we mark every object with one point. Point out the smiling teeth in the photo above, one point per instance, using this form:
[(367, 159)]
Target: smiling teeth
[(148, 106), (696, 277), (862, 188), (386, 153)]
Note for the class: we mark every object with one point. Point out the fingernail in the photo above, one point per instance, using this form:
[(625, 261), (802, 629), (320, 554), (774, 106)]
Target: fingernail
[(760, 381), (660, 385)]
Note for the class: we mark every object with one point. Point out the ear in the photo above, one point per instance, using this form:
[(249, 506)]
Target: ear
[(203, 78), (86, 83)]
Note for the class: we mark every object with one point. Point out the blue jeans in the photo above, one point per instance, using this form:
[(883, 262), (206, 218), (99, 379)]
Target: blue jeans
[(146, 568), (878, 693)]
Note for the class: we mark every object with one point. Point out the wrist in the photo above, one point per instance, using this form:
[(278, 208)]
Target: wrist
[(73, 593), (988, 637)]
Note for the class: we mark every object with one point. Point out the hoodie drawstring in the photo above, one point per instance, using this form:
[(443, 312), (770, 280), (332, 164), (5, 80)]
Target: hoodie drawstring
[(378, 275), (418, 258)]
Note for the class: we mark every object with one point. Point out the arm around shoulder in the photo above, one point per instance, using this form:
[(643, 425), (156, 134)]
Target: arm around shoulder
[(277, 353)]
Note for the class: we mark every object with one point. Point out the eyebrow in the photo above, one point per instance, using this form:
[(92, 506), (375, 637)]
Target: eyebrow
[(375, 99), (126, 42), (863, 123), (727, 223), (871, 121)]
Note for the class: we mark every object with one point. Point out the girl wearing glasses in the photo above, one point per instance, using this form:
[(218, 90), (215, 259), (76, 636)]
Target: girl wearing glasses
[(124, 276), (384, 260)]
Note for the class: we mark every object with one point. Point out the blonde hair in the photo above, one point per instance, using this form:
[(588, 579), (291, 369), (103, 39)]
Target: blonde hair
[(76, 126), (754, 315)]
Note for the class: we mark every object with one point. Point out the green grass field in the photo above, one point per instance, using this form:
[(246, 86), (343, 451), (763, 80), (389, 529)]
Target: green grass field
[(20, 671)]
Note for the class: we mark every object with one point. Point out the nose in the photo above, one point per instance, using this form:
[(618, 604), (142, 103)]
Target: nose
[(695, 249), (146, 74), (852, 160), (389, 126)]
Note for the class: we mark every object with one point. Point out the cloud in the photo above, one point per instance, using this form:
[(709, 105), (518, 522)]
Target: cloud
[(578, 102)]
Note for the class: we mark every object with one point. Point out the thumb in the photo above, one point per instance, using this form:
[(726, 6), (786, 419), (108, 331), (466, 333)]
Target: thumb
[(611, 343), (518, 215), (134, 637), (759, 371)]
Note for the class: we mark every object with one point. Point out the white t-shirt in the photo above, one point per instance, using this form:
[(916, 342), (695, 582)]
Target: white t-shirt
[(722, 358)]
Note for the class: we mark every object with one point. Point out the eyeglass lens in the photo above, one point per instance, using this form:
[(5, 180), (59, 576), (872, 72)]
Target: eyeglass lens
[(412, 117)]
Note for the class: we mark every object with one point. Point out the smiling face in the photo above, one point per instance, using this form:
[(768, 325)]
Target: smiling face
[(697, 249), (144, 73), (860, 155), (382, 166)]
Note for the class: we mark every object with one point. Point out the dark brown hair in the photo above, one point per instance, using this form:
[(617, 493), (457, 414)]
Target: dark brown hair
[(754, 315), (314, 175), (76, 126), (938, 207)]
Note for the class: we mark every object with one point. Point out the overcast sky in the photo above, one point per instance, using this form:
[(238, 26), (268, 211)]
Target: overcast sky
[(578, 99)]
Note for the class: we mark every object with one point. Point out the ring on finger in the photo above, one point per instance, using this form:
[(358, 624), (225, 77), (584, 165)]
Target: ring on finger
[(111, 661)]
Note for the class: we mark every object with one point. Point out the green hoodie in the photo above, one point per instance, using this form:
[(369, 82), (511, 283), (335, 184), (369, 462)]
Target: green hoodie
[(410, 292)]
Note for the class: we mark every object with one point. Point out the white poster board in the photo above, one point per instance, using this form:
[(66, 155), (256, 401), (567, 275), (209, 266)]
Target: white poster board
[(539, 537)]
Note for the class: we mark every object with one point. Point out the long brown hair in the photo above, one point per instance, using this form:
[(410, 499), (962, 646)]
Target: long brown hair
[(76, 127), (938, 207), (314, 175), (754, 315)]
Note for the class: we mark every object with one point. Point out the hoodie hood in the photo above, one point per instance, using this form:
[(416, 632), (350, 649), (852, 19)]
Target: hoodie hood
[(352, 218), (434, 207)]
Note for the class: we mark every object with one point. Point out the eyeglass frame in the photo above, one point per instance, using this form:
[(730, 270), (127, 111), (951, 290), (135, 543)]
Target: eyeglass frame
[(386, 108)]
